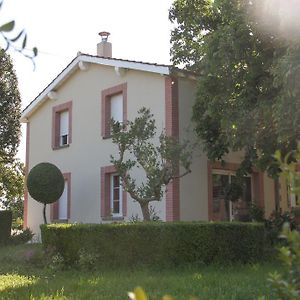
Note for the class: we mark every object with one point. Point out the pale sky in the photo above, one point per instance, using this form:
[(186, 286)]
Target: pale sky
[(140, 30)]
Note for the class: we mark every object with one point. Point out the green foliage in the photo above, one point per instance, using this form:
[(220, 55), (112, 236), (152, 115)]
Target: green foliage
[(248, 91), (12, 187), (10, 110), (5, 226), (287, 284), (257, 214), (274, 226), (23, 276), (21, 237), (137, 149), (45, 184), (157, 244)]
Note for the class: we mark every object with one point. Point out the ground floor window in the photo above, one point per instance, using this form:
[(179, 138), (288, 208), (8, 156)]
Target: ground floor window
[(60, 210), (113, 197), (223, 209), (116, 195)]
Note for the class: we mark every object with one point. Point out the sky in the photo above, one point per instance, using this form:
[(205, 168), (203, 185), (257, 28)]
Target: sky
[(140, 30)]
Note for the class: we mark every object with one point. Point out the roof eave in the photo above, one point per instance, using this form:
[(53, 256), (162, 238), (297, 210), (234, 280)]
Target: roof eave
[(164, 70)]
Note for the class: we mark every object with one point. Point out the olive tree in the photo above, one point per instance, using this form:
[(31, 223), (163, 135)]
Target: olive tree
[(45, 184), (160, 162)]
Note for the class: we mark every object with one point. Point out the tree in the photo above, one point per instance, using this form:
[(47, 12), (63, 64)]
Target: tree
[(160, 162), (45, 184), (11, 169), (12, 188), (243, 100), (10, 110)]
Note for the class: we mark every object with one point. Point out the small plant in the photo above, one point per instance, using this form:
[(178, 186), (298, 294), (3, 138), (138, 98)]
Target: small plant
[(275, 223), (87, 260), (135, 218), (57, 262), (287, 285), (257, 214), (21, 237), (153, 214)]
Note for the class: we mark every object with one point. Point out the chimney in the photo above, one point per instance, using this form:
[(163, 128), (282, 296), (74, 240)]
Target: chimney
[(104, 47)]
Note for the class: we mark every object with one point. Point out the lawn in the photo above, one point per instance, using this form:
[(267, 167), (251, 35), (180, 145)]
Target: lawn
[(30, 280)]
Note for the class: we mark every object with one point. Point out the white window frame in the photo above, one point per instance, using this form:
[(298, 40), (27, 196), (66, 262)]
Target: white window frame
[(120, 214)]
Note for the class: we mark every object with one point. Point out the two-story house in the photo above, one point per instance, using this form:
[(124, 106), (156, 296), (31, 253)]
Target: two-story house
[(68, 124)]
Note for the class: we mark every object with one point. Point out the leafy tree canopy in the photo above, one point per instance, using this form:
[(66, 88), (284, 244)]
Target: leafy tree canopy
[(248, 90), (10, 109), (12, 187)]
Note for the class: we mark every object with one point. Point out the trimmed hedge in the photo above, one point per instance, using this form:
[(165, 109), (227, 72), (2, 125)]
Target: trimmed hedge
[(157, 243), (5, 225)]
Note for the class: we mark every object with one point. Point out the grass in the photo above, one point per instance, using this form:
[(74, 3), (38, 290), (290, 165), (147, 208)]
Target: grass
[(30, 280)]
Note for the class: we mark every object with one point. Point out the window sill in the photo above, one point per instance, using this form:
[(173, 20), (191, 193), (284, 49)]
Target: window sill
[(60, 147), (110, 218)]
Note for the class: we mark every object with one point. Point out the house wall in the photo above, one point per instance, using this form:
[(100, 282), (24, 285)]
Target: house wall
[(88, 151), (193, 187)]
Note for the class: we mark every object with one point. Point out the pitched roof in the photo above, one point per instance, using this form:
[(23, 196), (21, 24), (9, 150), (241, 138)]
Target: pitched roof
[(82, 58)]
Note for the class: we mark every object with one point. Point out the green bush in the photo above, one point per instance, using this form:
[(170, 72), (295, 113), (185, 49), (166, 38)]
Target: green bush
[(21, 237), (5, 225), (157, 243)]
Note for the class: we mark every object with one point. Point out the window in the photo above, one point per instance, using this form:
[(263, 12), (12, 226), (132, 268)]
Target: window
[(62, 125), (114, 106), (223, 209), (64, 128), (116, 195), (113, 197), (61, 209)]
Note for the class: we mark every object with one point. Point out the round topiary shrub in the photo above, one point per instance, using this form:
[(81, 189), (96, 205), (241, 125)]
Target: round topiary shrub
[(45, 184)]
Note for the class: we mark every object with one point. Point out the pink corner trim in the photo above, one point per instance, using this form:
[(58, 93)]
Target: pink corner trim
[(172, 129), (25, 225)]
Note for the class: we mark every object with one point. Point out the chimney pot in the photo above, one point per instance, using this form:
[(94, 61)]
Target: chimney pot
[(104, 35)]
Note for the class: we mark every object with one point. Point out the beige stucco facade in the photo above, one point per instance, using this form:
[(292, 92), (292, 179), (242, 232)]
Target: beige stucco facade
[(89, 151)]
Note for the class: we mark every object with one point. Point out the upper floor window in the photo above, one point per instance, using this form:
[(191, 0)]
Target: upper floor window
[(64, 128), (62, 125), (114, 106)]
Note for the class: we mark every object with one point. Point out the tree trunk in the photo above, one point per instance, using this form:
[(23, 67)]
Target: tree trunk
[(277, 195), (44, 213), (145, 211)]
